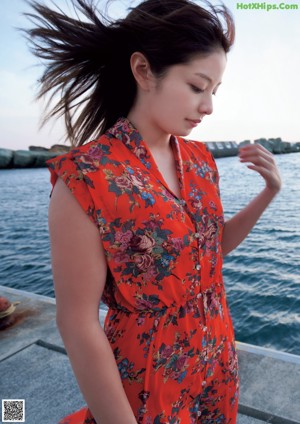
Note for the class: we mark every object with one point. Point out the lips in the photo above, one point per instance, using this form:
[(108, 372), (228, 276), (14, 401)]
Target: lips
[(194, 122)]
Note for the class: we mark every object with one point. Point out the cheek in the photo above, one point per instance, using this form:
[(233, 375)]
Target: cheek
[(175, 99)]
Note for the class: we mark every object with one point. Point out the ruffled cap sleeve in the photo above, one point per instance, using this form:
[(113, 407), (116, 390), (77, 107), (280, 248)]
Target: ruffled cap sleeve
[(66, 167)]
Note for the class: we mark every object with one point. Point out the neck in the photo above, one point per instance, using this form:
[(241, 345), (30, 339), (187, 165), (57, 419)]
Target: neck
[(155, 139)]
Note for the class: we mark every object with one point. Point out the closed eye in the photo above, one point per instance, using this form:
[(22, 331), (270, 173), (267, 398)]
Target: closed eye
[(196, 89)]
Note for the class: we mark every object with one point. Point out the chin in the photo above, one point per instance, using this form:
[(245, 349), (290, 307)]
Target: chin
[(183, 133), (179, 131)]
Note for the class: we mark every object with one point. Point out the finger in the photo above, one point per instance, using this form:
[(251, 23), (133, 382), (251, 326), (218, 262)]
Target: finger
[(256, 152), (263, 172), (255, 149), (258, 160), (267, 174), (272, 179)]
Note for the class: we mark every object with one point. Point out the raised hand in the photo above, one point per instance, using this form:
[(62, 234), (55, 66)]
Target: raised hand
[(263, 162)]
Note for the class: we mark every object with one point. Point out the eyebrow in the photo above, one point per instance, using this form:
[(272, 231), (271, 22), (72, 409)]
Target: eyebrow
[(199, 74)]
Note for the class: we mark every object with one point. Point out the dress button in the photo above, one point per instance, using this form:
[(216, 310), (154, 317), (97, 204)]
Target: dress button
[(198, 267), (197, 235), (204, 329), (203, 383), (199, 295)]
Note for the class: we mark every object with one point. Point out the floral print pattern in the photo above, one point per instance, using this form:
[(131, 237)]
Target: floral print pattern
[(168, 321)]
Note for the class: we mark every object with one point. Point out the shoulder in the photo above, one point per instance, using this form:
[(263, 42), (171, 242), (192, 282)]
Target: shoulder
[(79, 167), (85, 158), (79, 170), (198, 157), (194, 145), (198, 149), (93, 149)]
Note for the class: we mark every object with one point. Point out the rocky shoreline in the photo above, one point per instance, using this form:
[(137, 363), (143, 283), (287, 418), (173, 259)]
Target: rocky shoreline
[(35, 156)]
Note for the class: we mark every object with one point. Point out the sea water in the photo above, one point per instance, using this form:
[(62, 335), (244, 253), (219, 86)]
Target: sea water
[(262, 276)]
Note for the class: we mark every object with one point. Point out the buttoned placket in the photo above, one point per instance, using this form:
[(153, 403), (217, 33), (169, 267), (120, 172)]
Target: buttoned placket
[(200, 294), (197, 267), (136, 140), (184, 205)]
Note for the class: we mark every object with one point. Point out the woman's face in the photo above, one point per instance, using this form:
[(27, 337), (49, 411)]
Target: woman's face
[(180, 99)]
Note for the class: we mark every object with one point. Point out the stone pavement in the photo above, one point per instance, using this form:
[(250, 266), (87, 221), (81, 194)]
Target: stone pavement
[(34, 366)]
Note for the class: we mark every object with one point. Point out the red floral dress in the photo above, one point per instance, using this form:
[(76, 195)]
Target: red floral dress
[(168, 322)]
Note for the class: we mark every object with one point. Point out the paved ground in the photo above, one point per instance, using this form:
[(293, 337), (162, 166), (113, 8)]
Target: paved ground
[(35, 367)]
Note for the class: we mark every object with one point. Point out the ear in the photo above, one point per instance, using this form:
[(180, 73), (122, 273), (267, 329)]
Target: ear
[(141, 70)]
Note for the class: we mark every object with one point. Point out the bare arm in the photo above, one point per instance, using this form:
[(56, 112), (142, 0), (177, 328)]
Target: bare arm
[(79, 272), (239, 226)]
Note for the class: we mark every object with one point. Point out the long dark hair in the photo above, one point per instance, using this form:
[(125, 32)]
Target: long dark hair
[(87, 61)]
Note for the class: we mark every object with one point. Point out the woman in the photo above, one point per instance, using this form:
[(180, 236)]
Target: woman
[(135, 216)]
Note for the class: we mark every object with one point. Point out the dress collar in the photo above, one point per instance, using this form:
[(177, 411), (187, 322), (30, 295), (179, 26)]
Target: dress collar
[(126, 132)]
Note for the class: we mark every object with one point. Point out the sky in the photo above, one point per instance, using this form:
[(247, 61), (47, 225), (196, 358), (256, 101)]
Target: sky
[(259, 95)]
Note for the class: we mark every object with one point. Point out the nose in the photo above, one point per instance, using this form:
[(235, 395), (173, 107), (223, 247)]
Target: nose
[(206, 105)]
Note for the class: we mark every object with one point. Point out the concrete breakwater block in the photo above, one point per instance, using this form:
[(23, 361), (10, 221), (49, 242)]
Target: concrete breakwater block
[(24, 158), (41, 157), (6, 158), (36, 156), (221, 149)]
